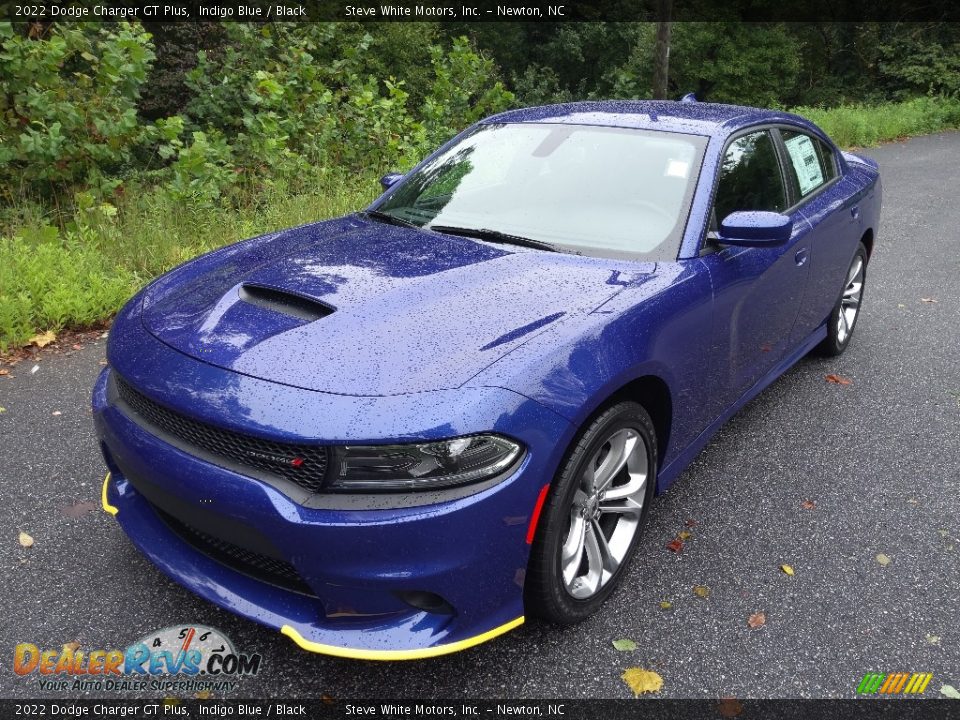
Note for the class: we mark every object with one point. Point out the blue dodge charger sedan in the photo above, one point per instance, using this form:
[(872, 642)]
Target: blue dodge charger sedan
[(399, 433)]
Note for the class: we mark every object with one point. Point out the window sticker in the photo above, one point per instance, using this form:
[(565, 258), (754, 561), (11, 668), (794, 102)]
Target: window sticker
[(677, 168), (805, 162)]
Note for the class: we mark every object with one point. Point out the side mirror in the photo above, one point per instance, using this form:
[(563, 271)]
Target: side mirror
[(755, 228), (390, 179)]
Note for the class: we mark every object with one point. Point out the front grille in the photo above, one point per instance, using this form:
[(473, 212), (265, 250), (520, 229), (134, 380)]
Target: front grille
[(306, 465), (270, 570)]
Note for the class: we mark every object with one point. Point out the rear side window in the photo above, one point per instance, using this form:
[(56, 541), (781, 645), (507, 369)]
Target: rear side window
[(811, 162), (750, 177)]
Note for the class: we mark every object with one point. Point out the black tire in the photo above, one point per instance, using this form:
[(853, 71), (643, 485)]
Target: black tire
[(545, 592), (836, 342)]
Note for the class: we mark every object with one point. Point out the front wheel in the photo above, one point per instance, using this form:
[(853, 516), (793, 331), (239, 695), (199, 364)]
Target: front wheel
[(842, 320), (593, 516)]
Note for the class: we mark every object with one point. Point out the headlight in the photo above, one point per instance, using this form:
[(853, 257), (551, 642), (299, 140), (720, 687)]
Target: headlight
[(422, 466)]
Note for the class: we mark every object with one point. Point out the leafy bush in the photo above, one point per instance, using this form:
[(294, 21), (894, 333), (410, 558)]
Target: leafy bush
[(68, 105), (266, 111), (914, 66)]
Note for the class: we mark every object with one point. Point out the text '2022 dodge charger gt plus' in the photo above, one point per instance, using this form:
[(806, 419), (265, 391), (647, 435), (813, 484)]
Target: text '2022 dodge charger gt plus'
[(398, 433)]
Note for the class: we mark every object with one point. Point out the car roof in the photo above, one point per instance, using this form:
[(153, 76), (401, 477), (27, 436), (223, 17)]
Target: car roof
[(712, 119)]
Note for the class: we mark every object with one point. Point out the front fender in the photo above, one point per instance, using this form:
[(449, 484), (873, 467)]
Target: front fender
[(660, 326)]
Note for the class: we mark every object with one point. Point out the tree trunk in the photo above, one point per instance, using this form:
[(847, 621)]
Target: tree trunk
[(661, 60)]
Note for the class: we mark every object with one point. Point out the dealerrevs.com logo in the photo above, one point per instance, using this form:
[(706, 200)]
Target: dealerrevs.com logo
[(176, 659)]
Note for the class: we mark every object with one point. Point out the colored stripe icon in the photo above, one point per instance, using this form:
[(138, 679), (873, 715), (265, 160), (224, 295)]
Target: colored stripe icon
[(894, 683)]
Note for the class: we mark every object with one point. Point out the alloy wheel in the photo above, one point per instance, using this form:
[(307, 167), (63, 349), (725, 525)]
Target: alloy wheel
[(850, 301), (605, 513)]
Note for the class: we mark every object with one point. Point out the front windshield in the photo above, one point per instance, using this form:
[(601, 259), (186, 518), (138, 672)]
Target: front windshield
[(597, 190)]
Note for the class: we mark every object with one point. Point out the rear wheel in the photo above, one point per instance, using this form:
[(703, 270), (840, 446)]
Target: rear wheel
[(842, 320), (592, 520)]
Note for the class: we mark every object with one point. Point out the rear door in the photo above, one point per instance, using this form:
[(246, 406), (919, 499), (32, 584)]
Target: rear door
[(757, 291), (825, 199)]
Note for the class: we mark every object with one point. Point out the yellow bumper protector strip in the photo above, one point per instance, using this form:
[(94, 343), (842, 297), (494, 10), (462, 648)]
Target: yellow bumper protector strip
[(358, 654), (103, 497)]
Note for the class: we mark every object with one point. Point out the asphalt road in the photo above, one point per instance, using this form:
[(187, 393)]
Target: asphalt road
[(880, 457)]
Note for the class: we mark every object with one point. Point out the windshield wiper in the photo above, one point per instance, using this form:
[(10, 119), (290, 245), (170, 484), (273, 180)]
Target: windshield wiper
[(392, 219), (495, 236)]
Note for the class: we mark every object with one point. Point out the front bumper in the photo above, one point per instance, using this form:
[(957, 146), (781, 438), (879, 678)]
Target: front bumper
[(471, 551)]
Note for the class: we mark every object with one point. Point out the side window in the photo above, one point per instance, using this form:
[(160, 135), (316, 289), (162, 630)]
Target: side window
[(827, 160), (811, 162), (750, 177)]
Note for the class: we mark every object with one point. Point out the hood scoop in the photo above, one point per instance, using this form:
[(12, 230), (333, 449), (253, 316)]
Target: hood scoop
[(285, 302)]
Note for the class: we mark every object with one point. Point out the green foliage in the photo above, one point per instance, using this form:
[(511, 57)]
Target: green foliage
[(462, 91), (864, 125), (921, 66), (744, 64), (286, 111), (51, 277), (176, 46), (68, 104)]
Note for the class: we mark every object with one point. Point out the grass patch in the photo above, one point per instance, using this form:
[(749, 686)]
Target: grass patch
[(75, 274), (866, 125)]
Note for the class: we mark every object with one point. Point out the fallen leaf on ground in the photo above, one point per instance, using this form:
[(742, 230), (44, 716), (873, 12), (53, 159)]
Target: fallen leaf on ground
[(203, 695), (927, 300), (642, 681), (942, 533), (42, 339), (56, 412), (25, 540), (71, 646), (685, 535), (757, 619), (665, 604), (675, 545), (950, 691), (837, 379), (4, 371), (808, 504), (77, 346), (913, 501), (787, 569), (933, 639), (729, 707), (690, 523), (624, 645), (2, 410), (883, 559), (701, 591)]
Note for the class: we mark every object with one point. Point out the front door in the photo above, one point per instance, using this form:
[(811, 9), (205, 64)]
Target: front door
[(757, 291)]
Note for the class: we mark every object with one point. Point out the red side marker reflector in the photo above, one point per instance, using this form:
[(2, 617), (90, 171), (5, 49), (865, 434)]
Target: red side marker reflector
[(541, 498)]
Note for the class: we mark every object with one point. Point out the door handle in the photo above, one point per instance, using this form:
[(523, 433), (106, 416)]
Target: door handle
[(801, 257), (855, 212)]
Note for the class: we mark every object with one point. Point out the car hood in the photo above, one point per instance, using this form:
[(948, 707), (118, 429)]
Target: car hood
[(361, 308)]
